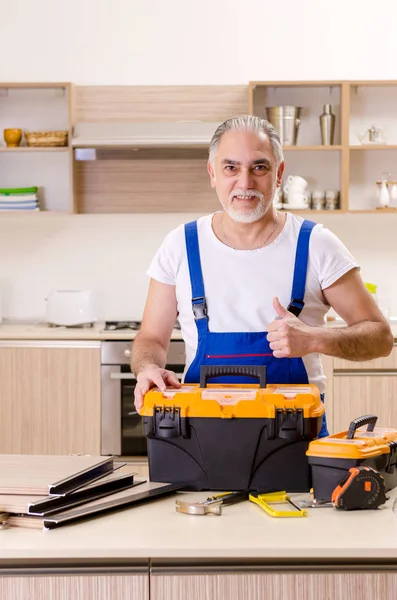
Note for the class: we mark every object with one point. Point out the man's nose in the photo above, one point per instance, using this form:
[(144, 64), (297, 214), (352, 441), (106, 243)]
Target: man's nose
[(245, 179)]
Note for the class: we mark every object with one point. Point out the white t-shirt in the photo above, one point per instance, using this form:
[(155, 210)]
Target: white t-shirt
[(240, 284)]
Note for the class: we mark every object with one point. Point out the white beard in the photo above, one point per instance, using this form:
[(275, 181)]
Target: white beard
[(247, 216)]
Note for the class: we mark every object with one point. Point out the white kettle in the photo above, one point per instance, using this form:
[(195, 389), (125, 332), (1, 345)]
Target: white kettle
[(70, 307)]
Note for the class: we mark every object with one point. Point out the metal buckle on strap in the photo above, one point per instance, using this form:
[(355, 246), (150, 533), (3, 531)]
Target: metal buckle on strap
[(199, 307), (295, 306)]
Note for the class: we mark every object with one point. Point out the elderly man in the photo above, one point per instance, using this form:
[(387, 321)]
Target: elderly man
[(250, 285)]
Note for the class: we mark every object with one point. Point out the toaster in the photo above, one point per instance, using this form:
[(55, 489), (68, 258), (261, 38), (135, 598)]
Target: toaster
[(70, 307)]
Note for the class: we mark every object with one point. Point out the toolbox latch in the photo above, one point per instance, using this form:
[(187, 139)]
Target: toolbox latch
[(167, 423), (289, 423), (391, 465)]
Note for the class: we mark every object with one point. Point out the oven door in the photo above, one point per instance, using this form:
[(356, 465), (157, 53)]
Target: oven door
[(122, 430)]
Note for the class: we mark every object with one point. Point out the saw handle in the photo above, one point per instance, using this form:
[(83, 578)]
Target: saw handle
[(255, 371), (369, 420)]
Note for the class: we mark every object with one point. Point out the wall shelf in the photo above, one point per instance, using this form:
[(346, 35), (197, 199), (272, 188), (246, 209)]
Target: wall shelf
[(357, 105), (36, 106), (35, 149), (176, 180), (374, 147), (308, 148)]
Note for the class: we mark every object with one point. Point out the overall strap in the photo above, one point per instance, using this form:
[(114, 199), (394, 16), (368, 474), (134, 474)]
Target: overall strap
[(300, 269), (199, 305)]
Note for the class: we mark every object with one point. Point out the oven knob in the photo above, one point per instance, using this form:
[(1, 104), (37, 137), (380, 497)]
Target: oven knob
[(127, 353)]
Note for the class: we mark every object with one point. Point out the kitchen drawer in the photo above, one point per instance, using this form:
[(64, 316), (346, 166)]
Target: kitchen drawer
[(387, 363)]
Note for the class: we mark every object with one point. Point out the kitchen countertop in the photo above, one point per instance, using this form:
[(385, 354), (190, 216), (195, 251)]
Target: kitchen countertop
[(41, 331), (244, 531)]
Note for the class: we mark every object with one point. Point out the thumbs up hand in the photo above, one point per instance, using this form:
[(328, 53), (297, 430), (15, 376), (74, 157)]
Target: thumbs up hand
[(280, 310), (288, 336)]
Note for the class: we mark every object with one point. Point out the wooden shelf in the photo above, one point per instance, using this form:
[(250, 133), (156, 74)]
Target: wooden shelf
[(34, 85), (308, 211), (308, 148), (378, 211), (35, 149), (34, 212), (340, 212), (374, 147), (295, 83)]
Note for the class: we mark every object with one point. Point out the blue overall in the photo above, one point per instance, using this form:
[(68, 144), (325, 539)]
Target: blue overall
[(245, 348)]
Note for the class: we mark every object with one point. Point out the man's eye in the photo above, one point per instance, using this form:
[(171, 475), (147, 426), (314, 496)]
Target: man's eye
[(230, 167), (260, 168)]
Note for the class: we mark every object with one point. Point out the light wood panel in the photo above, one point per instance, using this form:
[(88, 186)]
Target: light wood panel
[(50, 400), (386, 363), (159, 103), (75, 587), (155, 181), (357, 395), (345, 164), (273, 586)]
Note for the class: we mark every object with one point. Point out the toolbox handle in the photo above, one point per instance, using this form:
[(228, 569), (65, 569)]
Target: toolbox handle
[(256, 371), (359, 422)]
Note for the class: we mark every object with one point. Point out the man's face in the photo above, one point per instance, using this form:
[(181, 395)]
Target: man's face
[(244, 175)]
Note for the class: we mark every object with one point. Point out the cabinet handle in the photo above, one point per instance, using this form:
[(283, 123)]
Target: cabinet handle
[(127, 353), (365, 373), (116, 375)]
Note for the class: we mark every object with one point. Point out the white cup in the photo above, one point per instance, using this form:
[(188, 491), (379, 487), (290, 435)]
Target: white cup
[(298, 199), (296, 183)]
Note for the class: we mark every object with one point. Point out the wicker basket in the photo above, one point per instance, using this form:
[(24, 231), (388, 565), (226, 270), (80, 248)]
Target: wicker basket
[(46, 138)]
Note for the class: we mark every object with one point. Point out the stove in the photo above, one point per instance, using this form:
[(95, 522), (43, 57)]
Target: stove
[(116, 325), (132, 325)]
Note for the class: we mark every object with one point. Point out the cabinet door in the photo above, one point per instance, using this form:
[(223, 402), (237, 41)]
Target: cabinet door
[(359, 394), (275, 586), (387, 363), (75, 587), (50, 398)]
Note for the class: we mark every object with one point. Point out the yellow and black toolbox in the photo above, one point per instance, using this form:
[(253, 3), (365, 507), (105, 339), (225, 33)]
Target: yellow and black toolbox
[(331, 457), (232, 436)]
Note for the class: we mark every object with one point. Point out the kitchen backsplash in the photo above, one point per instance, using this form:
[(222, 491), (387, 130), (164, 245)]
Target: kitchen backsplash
[(110, 255)]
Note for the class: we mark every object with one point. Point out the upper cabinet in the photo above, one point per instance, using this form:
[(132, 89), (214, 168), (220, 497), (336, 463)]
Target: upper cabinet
[(35, 154), (129, 149), (145, 148), (340, 137)]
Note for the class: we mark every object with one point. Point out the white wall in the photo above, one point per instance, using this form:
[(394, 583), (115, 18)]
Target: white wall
[(176, 42), (202, 42), (110, 254)]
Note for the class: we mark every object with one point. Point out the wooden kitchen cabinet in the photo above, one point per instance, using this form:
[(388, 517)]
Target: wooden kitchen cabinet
[(357, 395), (274, 586), (50, 397), (365, 388), (76, 587)]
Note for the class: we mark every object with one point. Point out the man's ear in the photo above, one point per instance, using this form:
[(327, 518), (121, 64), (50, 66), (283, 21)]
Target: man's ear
[(280, 172), (211, 172)]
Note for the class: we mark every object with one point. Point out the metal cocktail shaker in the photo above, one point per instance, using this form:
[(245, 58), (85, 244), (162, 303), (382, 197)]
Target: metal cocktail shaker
[(327, 126)]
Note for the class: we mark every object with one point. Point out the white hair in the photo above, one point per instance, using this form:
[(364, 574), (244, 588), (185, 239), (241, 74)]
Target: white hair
[(252, 124)]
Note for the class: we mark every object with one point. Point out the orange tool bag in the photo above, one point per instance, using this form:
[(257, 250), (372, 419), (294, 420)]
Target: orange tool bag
[(232, 436), (332, 457)]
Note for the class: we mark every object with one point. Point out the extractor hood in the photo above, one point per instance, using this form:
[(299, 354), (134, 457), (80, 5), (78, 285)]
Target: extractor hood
[(143, 134)]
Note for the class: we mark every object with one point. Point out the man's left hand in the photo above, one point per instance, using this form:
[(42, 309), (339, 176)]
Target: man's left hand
[(288, 336)]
